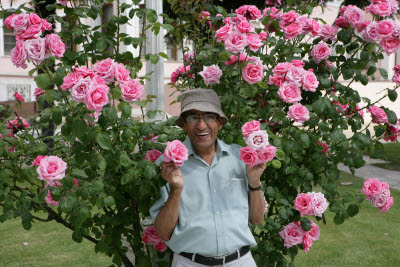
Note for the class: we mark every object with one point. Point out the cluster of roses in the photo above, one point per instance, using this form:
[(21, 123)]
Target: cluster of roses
[(290, 77), (258, 150), (182, 69), (345, 109), (51, 169), (386, 32), (293, 235), (379, 116), (30, 45), (378, 194), (383, 8), (90, 86), (151, 237), (311, 203), (16, 125)]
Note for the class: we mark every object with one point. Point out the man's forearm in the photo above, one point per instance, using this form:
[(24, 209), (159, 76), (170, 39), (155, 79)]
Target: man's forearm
[(256, 207), (167, 218)]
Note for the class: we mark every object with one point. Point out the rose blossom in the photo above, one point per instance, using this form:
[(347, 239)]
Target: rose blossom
[(266, 154), (354, 15), (84, 72), (309, 81), (289, 92), (19, 23), (292, 30), (371, 33), (288, 18), (150, 236), (19, 97), (244, 26), (176, 152), (307, 242), (48, 198), (320, 52), (51, 168), (257, 139), (381, 9), (390, 45), (235, 42), (55, 45), (266, 207), (341, 22), (37, 160), (319, 203), (314, 231), (105, 69), (18, 55), (276, 80), (328, 32), (380, 200), (298, 113), (314, 27), (385, 28), (298, 63), (70, 80), (250, 127), (189, 55), (211, 74), (38, 92), (161, 246), (304, 204), (254, 42), (131, 90), (282, 68), (248, 156), (378, 114), (263, 36), (222, 33), (97, 94), (78, 91), (253, 73), (35, 50), (18, 123), (33, 32), (120, 73), (387, 205), (292, 234), (295, 75), (153, 155), (95, 117), (325, 147), (372, 188)]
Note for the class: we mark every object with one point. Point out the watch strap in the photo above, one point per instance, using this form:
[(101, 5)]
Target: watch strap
[(252, 189)]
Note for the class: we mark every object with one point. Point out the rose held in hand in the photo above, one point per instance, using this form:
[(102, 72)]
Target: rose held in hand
[(176, 152)]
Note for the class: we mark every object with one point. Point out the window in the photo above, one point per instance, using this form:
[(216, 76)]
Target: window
[(9, 38), (172, 46)]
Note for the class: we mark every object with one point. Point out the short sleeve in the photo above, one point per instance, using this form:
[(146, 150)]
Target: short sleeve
[(164, 192)]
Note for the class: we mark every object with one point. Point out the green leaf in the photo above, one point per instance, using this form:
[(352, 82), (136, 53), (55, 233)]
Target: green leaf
[(153, 58), (348, 73), (79, 172), (305, 140), (280, 154), (162, 54), (109, 201), (150, 171), (383, 73), (167, 27), (125, 160), (101, 44), (371, 70), (79, 128), (344, 36), (353, 210), (283, 214), (276, 164), (104, 141), (43, 81), (392, 95), (339, 218), (151, 16), (77, 236), (67, 203), (392, 118), (305, 224), (270, 192)]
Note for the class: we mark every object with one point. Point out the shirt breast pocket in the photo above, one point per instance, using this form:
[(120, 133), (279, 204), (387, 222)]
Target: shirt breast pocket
[(238, 189)]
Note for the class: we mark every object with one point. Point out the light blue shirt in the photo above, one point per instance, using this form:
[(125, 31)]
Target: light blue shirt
[(213, 210)]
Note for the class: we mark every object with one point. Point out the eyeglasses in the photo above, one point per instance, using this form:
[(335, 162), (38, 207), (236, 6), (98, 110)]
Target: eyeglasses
[(207, 118)]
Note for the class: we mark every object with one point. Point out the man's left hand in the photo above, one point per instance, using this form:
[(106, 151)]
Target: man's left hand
[(254, 174)]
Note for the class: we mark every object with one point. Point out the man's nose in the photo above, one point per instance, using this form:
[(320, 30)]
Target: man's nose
[(201, 125)]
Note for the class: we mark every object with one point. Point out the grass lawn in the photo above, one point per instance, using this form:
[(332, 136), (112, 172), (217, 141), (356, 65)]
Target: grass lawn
[(369, 239), (393, 157)]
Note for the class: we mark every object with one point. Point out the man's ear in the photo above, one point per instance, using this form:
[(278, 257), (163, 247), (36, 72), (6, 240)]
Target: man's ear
[(221, 124)]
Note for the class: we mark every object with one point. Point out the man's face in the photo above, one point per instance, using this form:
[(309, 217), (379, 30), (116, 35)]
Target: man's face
[(202, 134)]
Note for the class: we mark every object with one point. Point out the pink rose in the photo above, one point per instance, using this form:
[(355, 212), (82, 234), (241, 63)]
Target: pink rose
[(211, 74), (176, 152), (153, 155), (310, 82), (292, 234), (84, 72), (34, 19), (18, 124), (250, 127), (295, 75), (371, 33), (257, 139), (396, 78), (48, 198), (248, 156), (51, 168), (263, 36), (266, 207), (78, 91), (341, 22), (97, 94), (292, 30), (38, 92), (131, 90), (307, 242), (254, 12), (19, 97), (378, 114), (328, 32), (303, 21), (319, 203), (387, 205), (120, 73), (18, 55), (55, 45), (64, 2), (223, 32), (314, 27), (105, 69), (298, 113), (354, 15), (189, 55), (35, 50), (7, 21), (298, 63), (95, 117), (381, 9), (161, 246), (37, 160), (289, 92), (70, 80), (282, 68), (276, 80), (288, 18), (325, 147), (266, 154), (344, 108), (253, 73), (380, 200), (174, 77), (150, 236), (254, 42), (272, 12), (372, 188), (320, 52), (235, 42), (19, 23), (390, 45), (314, 231), (304, 204), (244, 26), (33, 32), (385, 28)]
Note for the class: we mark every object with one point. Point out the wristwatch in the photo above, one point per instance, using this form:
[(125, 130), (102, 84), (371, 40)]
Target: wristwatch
[(252, 189)]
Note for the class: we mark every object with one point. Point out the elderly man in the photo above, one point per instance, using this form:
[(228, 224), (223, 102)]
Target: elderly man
[(205, 209)]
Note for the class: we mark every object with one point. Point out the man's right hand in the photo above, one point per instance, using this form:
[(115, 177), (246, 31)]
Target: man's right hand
[(172, 174)]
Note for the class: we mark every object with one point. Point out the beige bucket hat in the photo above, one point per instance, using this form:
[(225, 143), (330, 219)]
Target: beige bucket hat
[(205, 100)]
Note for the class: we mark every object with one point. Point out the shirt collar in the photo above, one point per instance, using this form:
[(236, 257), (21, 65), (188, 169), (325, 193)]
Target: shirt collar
[(221, 147)]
